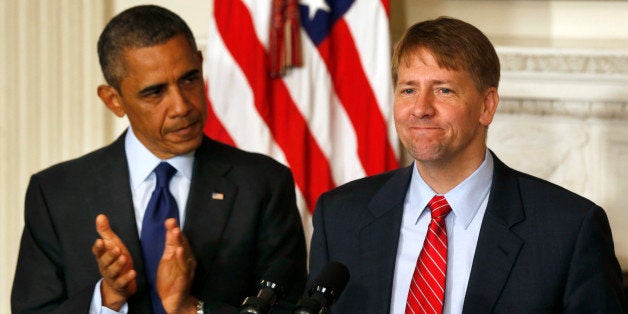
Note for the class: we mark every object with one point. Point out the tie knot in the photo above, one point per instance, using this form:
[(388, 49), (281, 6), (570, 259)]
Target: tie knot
[(164, 172), (439, 207)]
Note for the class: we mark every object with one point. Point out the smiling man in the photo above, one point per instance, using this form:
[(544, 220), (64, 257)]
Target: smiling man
[(164, 219), (458, 231)]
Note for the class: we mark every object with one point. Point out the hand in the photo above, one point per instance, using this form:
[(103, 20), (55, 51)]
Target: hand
[(115, 265), (176, 272)]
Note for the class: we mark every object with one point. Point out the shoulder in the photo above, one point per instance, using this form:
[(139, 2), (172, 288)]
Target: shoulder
[(364, 187), (511, 186), (74, 169), (540, 190), (546, 197), (241, 164), (241, 158), (380, 191), (532, 206)]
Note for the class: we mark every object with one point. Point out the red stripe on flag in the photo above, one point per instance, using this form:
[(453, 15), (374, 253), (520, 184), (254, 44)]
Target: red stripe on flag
[(341, 56), (386, 5), (213, 127), (310, 167)]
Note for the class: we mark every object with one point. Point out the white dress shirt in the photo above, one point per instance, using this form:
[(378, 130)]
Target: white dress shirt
[(143, 180), (468, 202)]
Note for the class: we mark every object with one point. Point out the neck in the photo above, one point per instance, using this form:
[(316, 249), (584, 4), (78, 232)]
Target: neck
[(444, 175)]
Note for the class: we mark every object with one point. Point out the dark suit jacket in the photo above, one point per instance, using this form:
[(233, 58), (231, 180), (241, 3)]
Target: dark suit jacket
[(234, 239), (541, 248)]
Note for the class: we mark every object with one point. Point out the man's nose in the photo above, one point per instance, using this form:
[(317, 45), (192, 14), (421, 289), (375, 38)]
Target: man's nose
[(423, 105), (179, 103)]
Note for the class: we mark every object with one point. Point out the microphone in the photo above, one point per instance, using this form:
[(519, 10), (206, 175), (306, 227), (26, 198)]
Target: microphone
[(272, 288), (325, 289)]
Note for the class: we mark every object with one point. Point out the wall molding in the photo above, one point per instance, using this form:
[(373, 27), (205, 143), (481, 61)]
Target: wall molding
[(568, 108), (574, 82), (609, 64)]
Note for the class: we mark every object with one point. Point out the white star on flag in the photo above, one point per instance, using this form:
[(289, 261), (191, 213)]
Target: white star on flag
[(314, 6)]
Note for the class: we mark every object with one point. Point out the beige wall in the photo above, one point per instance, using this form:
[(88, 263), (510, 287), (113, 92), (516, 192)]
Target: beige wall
[(48, 107), (563, 113), (49, 111), (580, 24)]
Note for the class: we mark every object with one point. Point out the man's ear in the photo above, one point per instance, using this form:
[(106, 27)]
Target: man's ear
[(200, 55), (491, 99), (110, 96)]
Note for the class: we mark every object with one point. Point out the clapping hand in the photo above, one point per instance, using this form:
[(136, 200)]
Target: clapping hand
[(176, 272), (115, 265)]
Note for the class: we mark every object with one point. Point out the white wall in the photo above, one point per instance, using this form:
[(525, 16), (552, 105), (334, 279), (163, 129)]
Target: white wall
[(49, 111)]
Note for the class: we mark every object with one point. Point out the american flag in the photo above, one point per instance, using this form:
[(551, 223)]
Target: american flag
[(328, 119)]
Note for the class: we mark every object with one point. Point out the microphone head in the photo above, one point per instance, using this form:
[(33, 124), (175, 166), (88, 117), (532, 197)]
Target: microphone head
[(278, 275), (331, 281), (272, 288)]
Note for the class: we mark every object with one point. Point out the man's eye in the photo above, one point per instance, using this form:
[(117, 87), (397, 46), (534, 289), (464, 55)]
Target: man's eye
[(192, 79), (407, 91), (152, 92), (445, 91)]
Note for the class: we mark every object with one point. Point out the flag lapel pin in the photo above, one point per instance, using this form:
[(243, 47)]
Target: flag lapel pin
[(218, 196)]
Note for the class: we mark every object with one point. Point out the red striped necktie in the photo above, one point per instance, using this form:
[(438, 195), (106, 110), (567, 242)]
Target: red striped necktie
[(427, 289)]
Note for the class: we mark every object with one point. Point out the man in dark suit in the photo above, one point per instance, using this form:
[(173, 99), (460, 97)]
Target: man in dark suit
[(493, 240), (237, 210)]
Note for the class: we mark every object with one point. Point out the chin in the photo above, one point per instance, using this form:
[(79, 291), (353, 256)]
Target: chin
[(195, 143), (187, 146), (426, 154), (422, 148)]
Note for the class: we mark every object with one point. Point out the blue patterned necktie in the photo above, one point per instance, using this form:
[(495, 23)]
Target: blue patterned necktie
[(161, 206)]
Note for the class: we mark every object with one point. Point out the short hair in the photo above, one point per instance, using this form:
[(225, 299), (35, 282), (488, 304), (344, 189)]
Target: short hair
[(137, 27), (456, 45)]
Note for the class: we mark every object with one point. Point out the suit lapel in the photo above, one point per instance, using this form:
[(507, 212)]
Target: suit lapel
[(112, 197), (379, 238), (209, 207), (498, 247)]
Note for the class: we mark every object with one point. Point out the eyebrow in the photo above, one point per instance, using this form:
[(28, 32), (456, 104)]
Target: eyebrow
[(156, 87), (432, 82), (190, 73), (150, 89)]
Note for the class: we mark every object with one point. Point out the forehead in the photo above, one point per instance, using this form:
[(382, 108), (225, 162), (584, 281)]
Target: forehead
[(418, 56), (423, 62), (173, 54), (441, 56)]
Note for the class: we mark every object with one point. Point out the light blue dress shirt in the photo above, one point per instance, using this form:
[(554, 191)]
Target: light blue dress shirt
[(143, 180), (468, 202)]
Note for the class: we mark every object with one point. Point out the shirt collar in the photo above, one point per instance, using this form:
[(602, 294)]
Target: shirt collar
[(142, 162), (465, 199)]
